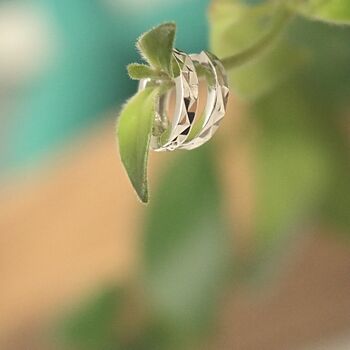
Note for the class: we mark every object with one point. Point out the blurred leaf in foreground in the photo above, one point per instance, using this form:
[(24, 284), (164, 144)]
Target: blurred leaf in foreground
[(253, 2), (235, 26), (333, 11), (293, 165), (301, 153), (324, 85), (93, 325), (186, 243)]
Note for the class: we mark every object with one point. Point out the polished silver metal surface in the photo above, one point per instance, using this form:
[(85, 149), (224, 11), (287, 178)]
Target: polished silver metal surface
[(187, 128)]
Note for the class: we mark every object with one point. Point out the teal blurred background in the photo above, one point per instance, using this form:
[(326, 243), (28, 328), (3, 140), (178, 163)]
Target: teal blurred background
[(80, 73)]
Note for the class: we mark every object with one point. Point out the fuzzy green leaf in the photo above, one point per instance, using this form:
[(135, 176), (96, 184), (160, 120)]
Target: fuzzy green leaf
[(139, 71), (334, 11), (156, 46), (134, 133)]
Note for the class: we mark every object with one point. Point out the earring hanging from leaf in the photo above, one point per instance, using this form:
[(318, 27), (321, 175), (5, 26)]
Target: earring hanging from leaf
[(146, 122)]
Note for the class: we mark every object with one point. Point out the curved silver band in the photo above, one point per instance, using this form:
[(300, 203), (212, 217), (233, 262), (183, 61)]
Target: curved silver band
[(187, 129)]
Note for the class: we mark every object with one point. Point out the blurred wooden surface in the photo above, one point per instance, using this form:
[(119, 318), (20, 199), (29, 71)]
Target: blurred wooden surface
[(65, 229), (73, 226), (309, 303)]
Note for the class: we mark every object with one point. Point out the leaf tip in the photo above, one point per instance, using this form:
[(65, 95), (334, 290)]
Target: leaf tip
[(143, 197)]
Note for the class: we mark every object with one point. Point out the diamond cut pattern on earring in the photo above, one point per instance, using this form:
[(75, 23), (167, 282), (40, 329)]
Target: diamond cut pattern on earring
[(185, 116)]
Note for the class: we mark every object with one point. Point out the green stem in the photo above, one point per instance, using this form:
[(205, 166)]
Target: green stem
[(260, 46)]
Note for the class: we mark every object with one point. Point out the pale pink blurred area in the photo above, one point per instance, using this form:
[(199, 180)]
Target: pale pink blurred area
[(28, 43)]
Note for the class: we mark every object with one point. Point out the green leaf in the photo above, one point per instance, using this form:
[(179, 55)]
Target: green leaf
[(333, 11), (92, 325), (134, 133), (186, 243), (141, 71), (156, 46)]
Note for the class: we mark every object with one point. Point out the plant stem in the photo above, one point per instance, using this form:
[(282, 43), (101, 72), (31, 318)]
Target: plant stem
[(260, 46)]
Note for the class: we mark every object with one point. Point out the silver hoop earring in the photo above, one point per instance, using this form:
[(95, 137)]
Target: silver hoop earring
[(188, 128)]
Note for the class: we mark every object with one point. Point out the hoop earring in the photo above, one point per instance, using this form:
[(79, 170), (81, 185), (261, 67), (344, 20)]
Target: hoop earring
[(187, 128)]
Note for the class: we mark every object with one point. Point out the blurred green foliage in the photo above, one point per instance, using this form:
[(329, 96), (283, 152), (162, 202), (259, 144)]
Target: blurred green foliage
[(186, 242), (333, 11), (94, 324), (235, 27), (298, 91), (297, 97)]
